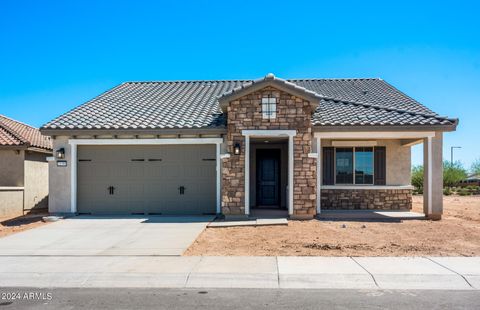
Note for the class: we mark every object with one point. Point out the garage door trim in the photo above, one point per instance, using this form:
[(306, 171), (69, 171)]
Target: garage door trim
[(75, 142)]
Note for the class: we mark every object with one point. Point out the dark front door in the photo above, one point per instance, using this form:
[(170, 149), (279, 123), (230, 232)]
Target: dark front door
[(268, 177)]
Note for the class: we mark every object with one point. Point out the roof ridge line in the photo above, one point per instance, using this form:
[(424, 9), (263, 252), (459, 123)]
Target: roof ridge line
[(186, 81), (365, 104), (16, 121), (404, 94), (335, 79), (83, 104), (247, 80)]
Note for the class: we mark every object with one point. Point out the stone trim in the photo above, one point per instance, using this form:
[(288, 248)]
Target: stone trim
[(365, 187), (366, 199), (293, 113)]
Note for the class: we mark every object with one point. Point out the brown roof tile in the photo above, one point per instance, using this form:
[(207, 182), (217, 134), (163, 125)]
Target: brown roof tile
[(14, 133)]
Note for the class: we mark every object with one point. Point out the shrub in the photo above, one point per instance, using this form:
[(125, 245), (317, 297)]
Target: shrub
[(447, 191), (475, 168), (417, 178), (453, 173)]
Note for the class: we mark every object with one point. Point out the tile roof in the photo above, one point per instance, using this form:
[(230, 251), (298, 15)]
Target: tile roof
[(339, 113), (194, 104), (14, 133), (270, 78)]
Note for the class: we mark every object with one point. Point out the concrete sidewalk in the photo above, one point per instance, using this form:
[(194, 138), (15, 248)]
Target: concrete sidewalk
[(452, 273)]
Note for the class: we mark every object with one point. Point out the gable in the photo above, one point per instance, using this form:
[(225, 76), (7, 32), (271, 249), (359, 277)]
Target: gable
[(268, 81), (247, 112)]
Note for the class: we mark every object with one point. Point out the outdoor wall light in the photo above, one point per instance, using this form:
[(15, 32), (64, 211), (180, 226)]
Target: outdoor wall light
[(61, 153), (236, 149)]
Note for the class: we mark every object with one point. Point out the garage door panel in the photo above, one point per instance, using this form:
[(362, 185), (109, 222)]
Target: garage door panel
[(154, 170), (172, 171), (206, 171), (173, 154), (148, 186), (133, 170)]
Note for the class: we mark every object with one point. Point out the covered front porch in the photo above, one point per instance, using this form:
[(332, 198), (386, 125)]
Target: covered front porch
[(371, 170)]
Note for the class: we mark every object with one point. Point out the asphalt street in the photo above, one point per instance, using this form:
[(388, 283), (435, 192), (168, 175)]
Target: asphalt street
[(142, 298)]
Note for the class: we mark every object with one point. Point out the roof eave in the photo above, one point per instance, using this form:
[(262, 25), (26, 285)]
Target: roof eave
[(40, 150), (14, 147), (130, 131), (444, 128)]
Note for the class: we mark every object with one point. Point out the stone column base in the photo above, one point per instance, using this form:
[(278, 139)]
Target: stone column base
[(301, 217), (237, 217), (435, 217)]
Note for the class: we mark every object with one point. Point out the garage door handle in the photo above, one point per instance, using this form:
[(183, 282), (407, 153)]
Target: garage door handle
[(181, 189), (111, 190)]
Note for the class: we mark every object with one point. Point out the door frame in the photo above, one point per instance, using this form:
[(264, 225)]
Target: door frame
[(73, 143), (269, 134), (277, 152)]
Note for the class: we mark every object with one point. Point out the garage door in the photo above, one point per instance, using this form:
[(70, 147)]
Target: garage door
[(173, 179)]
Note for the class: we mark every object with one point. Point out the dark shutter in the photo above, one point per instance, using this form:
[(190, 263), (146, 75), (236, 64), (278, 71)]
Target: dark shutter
[(380, 162), (328, 165)]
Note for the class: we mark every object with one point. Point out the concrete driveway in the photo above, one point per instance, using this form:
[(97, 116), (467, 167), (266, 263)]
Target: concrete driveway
[(109, 236)]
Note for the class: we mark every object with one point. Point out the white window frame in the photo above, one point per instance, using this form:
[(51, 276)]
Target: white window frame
[(354, 151), (269, 107)]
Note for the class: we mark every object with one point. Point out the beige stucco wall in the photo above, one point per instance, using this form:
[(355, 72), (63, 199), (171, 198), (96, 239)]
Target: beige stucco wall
[(11, 167), (59, 180), (398, 161), (11, 202), (399, 166), (36, 180)]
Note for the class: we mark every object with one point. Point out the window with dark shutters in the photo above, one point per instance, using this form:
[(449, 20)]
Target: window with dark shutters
[(328, 165), (380, 163)]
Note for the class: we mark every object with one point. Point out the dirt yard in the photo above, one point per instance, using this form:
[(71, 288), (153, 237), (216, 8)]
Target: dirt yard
[(10, 226), (458, 233)]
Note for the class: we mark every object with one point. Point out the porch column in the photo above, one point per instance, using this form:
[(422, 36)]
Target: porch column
[(290, 174), (219, 178), (433, 176), (247, 175), (319, 175), (73, 175)]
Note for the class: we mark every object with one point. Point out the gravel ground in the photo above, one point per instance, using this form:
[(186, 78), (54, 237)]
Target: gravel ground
[(457, 234), (10, 226)]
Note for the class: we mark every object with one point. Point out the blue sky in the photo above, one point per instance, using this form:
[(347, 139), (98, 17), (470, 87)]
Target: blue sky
[(57, 55)]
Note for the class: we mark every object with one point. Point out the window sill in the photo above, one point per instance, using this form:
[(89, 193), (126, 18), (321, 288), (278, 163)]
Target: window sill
[(11, 188), (378, 187)]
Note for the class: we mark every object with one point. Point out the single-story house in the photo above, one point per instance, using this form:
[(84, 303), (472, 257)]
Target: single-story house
[(471, 180), (23, 168), (231, 147)]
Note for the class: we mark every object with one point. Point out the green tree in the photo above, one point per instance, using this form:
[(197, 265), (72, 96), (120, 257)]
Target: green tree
[(453, 173), (475, 168), (417, 177)]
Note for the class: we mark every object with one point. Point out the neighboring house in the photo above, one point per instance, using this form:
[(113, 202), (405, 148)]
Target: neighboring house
[(230, 147), (471, 180), (23, 168)]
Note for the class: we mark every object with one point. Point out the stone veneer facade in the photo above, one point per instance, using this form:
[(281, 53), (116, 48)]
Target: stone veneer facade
[(292, 113), (366, 199)]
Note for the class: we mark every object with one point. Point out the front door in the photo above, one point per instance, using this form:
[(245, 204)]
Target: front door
[(268, 177)]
